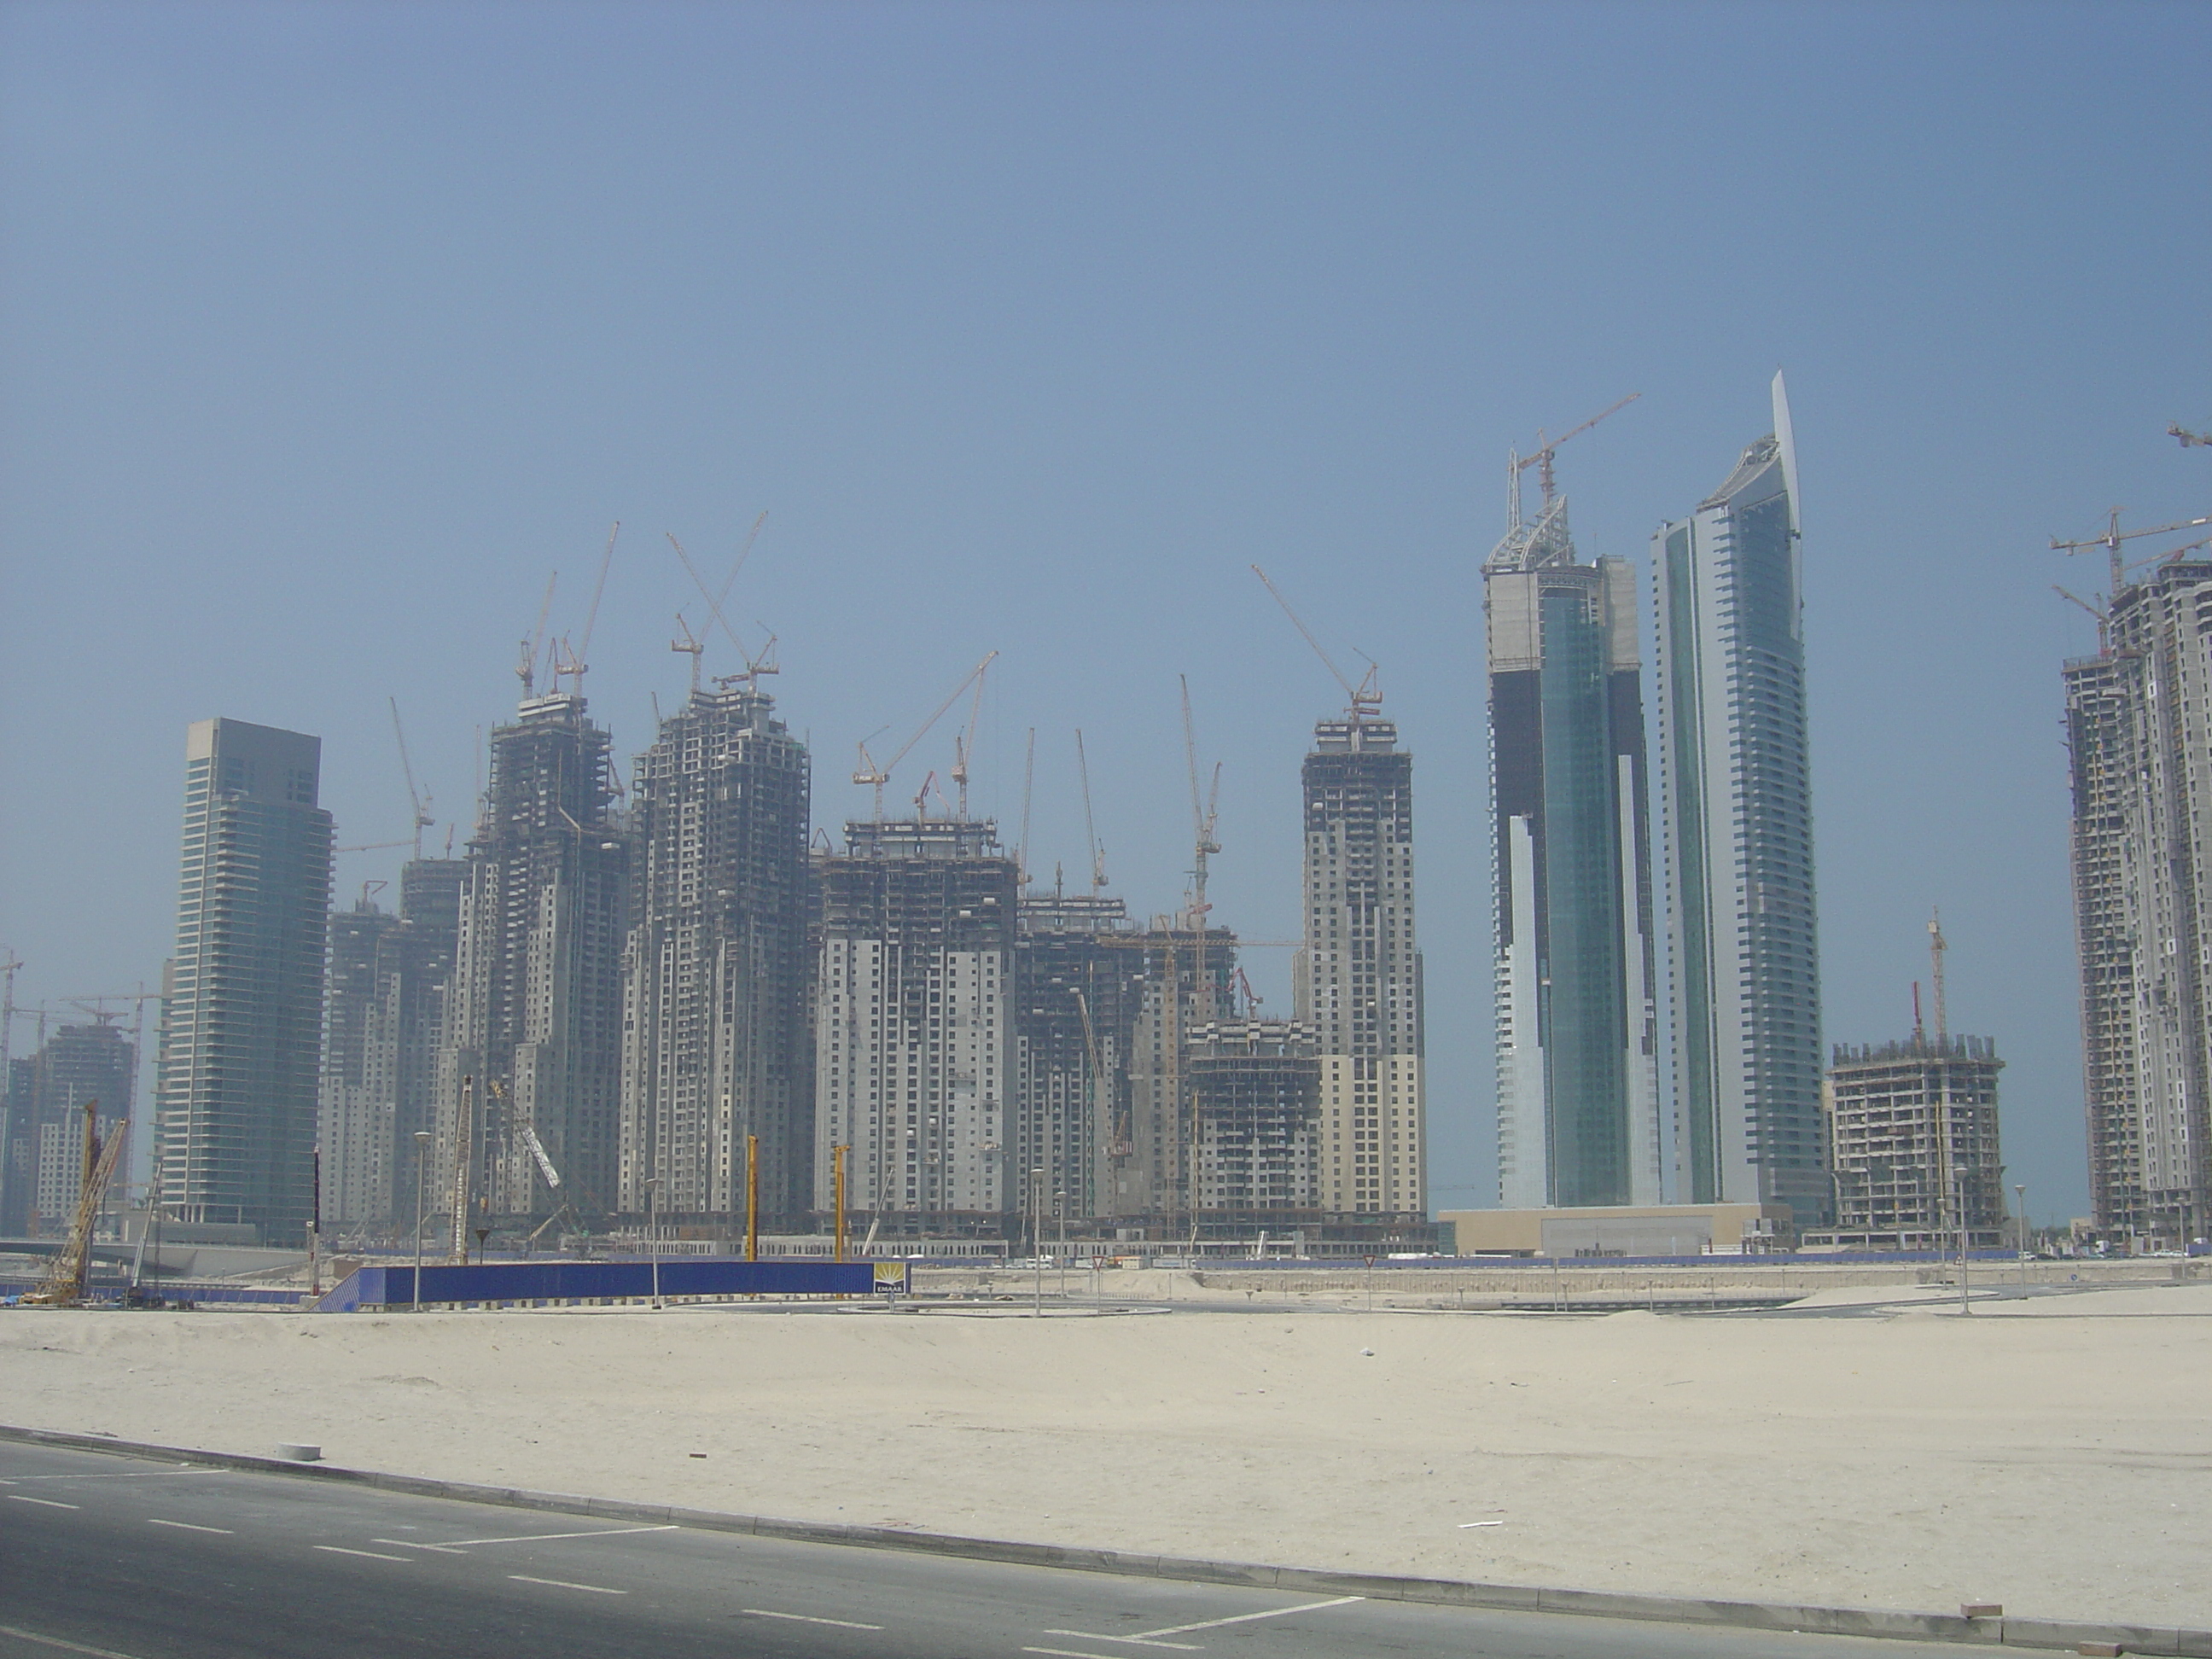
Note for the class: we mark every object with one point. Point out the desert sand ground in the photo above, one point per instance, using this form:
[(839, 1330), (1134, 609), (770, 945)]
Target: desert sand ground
[(2051, 1454)]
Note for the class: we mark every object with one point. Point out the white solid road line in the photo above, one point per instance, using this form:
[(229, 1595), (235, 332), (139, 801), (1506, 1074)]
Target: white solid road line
[(410, 1544), (563, 1583), (1150, 1638), (49, 1502), (1247, 1618), (189, 1526), (66, 1647), (538, 1537), (808, 1618), (339, 1549)]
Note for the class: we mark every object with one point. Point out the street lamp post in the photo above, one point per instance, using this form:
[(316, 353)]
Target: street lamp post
[(651, 1231), (2020, 1188), (421, 1159), (1036, 1237)]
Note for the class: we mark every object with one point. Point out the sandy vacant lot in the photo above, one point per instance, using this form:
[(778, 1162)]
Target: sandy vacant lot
[(2053, 1455)]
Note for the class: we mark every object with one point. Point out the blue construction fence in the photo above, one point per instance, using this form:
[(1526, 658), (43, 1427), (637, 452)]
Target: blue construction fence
[(497, 1283)]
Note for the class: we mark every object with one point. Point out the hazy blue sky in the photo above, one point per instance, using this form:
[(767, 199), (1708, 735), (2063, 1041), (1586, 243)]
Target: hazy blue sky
[(329, 330)]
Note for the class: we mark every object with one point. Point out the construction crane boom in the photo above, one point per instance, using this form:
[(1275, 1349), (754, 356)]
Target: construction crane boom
[(867, 772), (755, 665), (527, 670), (1546, 449), (1364, 696), (2113, 536), (1090, 827), (544, 1163), (415, 799), (67, 1280)]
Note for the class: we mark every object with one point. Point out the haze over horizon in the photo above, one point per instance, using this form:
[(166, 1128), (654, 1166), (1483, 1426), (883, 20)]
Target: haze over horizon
[(332, 331)]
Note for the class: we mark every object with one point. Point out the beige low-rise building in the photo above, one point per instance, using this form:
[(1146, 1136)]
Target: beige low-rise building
[(1623, 1230)]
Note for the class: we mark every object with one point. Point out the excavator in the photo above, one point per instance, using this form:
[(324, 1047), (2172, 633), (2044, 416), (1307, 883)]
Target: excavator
[(66, 1282)]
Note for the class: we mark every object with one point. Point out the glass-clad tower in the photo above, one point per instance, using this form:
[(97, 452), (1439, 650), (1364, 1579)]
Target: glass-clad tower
[(1578, 1075), (242, 1014), (1743, 963)]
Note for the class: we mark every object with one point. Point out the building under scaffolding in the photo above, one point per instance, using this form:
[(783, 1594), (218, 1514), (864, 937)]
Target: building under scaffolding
[(1071, 1028), (384, 1007), (533, 1042), (1255, 1107), (913, 1028), (715, 1045), (43, 1140), (1912, 1145)]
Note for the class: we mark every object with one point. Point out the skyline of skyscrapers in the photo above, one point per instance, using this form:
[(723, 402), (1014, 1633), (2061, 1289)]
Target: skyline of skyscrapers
[(242, 1009), (1743, 967), (1577, 1018)]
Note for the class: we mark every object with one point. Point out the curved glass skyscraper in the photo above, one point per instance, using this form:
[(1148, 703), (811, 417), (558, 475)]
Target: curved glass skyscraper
[(1743, 963)]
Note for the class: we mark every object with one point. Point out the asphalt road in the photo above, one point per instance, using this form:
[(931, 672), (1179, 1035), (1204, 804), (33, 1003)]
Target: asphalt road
[(129, 1559)]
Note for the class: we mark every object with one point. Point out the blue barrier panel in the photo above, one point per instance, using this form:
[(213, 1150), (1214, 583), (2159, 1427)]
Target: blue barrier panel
[(576, 1281)]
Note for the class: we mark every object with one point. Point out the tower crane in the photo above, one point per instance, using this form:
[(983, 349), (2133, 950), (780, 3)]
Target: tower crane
[(1204, 816), (415, 798), (1090, 827), (2110, 540), (1542, 457), (964, 746), (1361, 698), (755, 665), (571, 663), (527, 669), (867, 772)]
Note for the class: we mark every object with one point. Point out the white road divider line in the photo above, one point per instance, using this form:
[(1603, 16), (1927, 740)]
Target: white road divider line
[(339, 1549), (1072, 1653), (1464, 1525), (49, 1502), (66, 1647), (188, 1526), (563, 1583), (538, 1537), (808, 1618), (410, 1544), (1247, 1618)]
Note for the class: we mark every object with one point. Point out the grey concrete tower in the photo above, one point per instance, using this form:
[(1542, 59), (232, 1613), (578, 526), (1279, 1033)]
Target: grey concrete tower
[(1357, 981), (1578, 1116), (241, 1022), (1743, 960), (2139, 737), (533, 1030), (715, 1045)]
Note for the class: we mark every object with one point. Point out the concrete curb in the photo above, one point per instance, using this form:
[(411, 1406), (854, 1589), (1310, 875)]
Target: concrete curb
[(2181, 1642)]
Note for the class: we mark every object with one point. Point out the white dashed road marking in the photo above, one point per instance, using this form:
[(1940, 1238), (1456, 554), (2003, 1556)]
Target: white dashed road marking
[(49, 1502), (188, 1526), (336, 1549), (540, 1537), (1150, 1638), (57, 1642)]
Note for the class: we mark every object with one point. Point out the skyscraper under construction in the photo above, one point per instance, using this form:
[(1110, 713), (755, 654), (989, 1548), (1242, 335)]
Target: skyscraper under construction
[(1577, 1028), (1743, 960), (716, 1044), (1357, 978), (530, 1074), (2139, 739), (913, 1034)]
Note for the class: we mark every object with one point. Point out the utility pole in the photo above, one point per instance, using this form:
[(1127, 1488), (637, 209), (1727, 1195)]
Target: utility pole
[(837, 1182), (652, 1232), (422, 1163), (752, 1198)]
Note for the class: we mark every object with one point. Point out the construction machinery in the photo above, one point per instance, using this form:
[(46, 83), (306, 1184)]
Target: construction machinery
[(417, 801), (67, 1280), (1359, 699), (2189, 440), (2113, 536), (867, 772), (1542, 459)]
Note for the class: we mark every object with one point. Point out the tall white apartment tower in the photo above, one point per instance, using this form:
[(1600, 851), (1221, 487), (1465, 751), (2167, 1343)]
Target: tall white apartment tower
[(1743, 962), (1358, 980)]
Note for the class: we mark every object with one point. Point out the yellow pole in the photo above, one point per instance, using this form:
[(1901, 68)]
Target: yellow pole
[(752, 1198), (837, 1162)]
